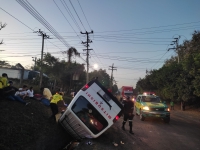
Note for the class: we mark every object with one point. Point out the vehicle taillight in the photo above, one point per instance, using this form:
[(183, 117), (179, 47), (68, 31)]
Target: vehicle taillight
[(85, 87), (116, 118)]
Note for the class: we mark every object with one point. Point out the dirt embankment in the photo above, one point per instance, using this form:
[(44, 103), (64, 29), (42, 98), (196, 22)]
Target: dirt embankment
[(29, 127)]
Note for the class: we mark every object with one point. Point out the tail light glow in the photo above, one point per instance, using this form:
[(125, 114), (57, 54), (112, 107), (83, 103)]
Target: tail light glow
[(116, 118), (85, 87)]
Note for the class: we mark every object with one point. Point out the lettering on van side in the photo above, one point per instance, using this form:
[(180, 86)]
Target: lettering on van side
[(99, 105)]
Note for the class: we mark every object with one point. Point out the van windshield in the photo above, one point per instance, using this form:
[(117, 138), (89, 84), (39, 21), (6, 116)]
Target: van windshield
[(88, 114), (128, 94), (151, 99)]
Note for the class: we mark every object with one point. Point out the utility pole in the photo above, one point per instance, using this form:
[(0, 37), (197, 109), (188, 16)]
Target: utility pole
[(44, 36), (112, 68), (176, 48), (87, 53), (34, 59)]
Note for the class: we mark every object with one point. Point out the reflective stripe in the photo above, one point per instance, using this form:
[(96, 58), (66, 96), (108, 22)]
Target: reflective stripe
[(130, 120)]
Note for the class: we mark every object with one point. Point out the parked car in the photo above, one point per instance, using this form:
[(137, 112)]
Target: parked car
[(151, 106)]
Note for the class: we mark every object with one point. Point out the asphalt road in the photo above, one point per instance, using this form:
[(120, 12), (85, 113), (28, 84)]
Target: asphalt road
[(182, 133)]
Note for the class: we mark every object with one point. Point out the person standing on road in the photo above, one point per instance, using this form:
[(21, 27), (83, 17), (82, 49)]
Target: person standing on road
[(172, 105), (128, 114)]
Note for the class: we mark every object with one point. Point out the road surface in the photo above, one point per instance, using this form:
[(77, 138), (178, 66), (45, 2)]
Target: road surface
[(182, 133)]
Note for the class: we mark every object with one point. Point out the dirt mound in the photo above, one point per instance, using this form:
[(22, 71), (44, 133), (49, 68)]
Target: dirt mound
[(29, 127)]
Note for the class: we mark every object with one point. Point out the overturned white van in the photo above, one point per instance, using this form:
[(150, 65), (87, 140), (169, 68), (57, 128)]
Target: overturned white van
[(91, 112)]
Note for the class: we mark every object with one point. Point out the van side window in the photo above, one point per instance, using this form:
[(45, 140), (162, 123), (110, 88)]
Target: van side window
[(88, 114)]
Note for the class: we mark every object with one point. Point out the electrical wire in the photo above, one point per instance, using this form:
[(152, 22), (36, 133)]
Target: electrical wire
[(16, 19), (77, 14), (84, 14), (69, 12), (151, 27), (65, 18), (37, 16)]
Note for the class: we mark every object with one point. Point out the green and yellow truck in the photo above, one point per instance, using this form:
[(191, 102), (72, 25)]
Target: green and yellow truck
[(151, 106)]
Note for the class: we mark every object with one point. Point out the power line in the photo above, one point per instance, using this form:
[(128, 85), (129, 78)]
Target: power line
[(77, 14), (37, 16), (87, 53), (84, 15), (151, 27), (112, 68), (65, 17), (44, 36), (17, 19), (69, 12)]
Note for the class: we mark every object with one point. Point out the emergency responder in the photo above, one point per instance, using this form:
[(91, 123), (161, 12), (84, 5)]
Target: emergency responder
[(128, 113)]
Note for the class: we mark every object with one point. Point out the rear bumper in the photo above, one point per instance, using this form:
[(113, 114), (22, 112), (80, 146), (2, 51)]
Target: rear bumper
[(157, 114)]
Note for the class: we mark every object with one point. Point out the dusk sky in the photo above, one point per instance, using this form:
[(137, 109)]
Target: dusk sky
[(134, 35)]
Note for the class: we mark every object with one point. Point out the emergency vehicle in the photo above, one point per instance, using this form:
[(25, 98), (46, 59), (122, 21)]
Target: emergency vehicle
[(91, 112), (125, 92), (151, 106)]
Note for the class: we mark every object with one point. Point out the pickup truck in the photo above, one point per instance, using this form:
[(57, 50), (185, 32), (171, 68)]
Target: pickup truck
[(151, 106)]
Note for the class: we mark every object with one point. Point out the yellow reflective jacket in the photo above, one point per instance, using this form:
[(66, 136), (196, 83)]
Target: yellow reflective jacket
[(3, 82)]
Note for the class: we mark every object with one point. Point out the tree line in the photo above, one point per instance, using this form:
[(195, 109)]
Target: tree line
[(68, 75), (177, 81)]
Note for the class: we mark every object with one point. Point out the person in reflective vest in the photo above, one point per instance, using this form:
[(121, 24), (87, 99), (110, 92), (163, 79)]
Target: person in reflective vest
[(53, 103), (128, 114)]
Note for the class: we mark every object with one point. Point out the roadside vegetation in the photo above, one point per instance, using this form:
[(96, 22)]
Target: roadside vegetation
[(177, 80)]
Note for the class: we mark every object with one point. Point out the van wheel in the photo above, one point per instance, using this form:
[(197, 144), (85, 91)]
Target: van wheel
[(142, 118)]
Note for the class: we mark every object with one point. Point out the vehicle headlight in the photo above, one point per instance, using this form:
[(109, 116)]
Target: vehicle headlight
[(133, 99), (167, 109), (145, 108), (91, 121)]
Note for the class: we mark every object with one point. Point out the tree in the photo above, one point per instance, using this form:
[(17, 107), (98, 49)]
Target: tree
[(177, 81), (103, 77), (72, 52), (61, 73), (1, 27), (4, 64)]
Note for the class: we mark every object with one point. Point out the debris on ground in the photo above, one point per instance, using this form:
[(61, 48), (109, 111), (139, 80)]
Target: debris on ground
[(89, 143), (115, 144), (72, 145)]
